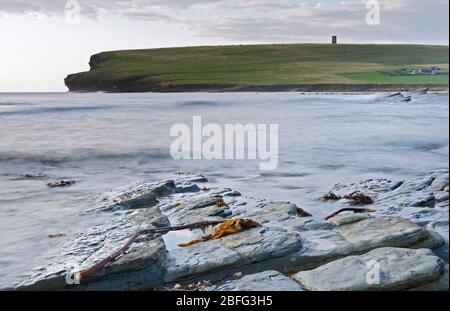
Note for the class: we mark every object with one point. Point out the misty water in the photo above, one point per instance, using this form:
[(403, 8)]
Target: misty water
[(108, 140)]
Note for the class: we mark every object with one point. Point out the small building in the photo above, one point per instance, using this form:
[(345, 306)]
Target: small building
[(420, 71), (436, 70), (334, 40), (431, 71)]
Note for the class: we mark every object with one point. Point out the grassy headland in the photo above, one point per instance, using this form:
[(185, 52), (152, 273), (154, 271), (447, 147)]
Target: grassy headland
[(262, 67)]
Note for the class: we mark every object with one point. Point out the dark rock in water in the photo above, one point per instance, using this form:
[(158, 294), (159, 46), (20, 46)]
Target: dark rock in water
[(400, 96), (407, 99), (428, 201), (302, 213), (56, 235), (396, 186), (396, 95), (187, 188), (136, 196), (61, 183), (34, 176), (232, 194)]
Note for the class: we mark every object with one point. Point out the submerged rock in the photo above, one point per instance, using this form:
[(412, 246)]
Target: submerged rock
[(380, 269), (61, 183)]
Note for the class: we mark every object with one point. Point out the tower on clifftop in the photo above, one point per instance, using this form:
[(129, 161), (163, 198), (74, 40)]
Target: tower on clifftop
[(334, 40)]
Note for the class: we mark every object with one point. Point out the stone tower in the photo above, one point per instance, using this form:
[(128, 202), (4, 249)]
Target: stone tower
[(334, 40)]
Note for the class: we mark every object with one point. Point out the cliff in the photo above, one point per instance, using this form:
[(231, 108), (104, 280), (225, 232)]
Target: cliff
[(295, 67)]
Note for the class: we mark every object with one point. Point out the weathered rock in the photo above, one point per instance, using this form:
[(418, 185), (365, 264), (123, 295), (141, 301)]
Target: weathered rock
[(274, 212), (319, 247), (345, 219), (441, 227), (140, 267), (440, 182), (61, 183), (34, 176), (420, 192), (248, 248), (380, 269), (385, 232), (439, 285), (135, 196), (263, 281), (198, 260), (322, 246), (185, 188), (286, 242), (200, 208), (428, 201)]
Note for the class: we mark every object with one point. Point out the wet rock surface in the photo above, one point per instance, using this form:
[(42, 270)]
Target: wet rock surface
[(263, 281), (289, 241), (380, 269)]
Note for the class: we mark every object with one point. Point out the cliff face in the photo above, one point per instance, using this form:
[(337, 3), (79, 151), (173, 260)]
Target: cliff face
[(136, 85), (82, 82)]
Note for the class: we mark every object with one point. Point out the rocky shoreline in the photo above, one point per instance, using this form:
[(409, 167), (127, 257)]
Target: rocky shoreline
[(74, 84), (403, 244)]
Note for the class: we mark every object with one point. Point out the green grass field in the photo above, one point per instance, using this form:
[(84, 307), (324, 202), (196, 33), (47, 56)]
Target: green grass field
[(387, 78), (269, 65)]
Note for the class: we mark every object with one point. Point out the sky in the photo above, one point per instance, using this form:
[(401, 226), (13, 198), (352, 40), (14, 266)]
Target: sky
[(41, 42)]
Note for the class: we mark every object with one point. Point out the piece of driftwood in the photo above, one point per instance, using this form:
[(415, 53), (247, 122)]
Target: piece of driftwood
[(85, 274), (350, 209)]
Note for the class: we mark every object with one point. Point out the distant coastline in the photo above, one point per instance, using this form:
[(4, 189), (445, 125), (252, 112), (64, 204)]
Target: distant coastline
[(333, 88), (267, 68)]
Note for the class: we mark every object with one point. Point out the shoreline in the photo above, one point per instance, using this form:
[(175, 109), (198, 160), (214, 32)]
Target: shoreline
[(287, 249), (307, 88)]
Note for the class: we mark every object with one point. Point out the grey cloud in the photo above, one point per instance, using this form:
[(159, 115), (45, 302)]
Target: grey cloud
[(271, 20)]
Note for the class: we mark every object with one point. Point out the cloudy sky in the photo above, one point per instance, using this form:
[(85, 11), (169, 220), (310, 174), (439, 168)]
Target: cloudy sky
[(41, 41)]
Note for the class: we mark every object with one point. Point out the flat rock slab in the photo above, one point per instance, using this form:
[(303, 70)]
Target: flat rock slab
[(348, 218), (263, 281), (378, 232), (87, 248), (380, 269), (251, 247), (322, 246), (134, 196), (426, 191)]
